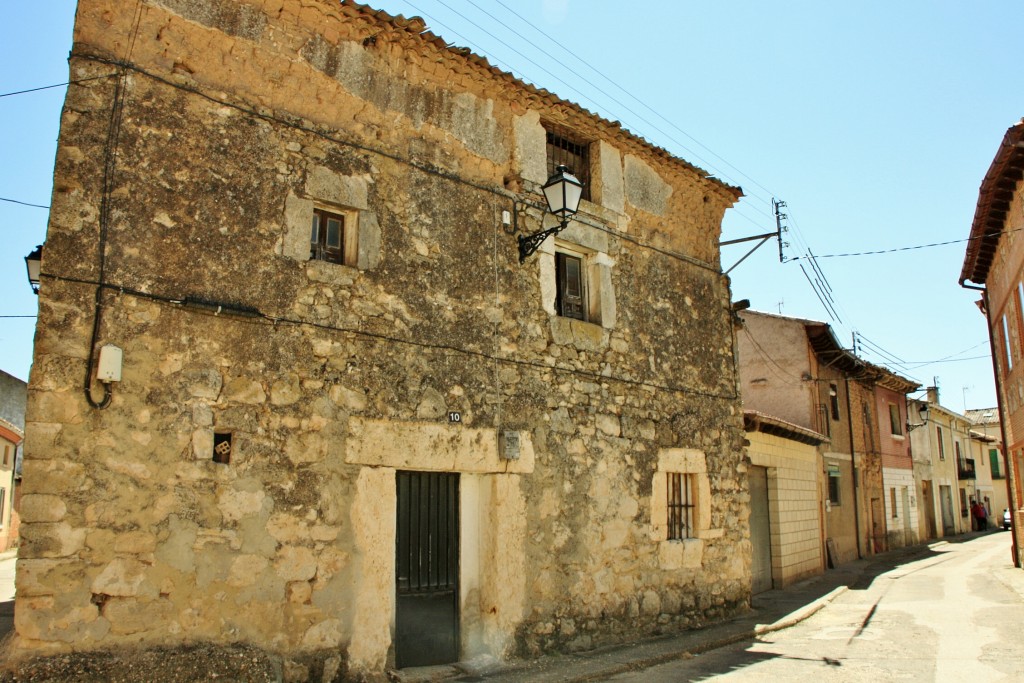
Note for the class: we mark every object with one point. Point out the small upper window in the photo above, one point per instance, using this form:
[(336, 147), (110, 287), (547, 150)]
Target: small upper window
[(564, 149), (327, 238), (896, 424), (942, 444), (833, 396)]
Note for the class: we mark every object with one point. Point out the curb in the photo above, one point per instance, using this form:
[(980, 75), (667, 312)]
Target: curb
[(801, 614)]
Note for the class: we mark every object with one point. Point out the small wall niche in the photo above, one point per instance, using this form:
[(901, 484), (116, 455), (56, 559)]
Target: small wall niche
[(222, 448)]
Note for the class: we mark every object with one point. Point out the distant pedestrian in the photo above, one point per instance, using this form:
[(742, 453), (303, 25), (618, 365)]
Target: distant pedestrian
[(980, 515)]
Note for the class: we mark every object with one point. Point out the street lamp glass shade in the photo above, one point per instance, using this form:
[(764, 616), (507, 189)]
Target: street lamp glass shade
[(33, 262), (562, 192), (923, 412)]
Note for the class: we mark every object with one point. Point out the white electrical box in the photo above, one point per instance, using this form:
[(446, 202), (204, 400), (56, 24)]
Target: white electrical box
[(109, 368), (510, 445)]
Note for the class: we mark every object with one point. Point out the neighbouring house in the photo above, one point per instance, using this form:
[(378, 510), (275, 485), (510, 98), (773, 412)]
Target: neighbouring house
[(901, 509), (13, 396), (985, 421), (787, 535), (945, 441), (799, 382), (984, 483), (994, 264), (329, 411)]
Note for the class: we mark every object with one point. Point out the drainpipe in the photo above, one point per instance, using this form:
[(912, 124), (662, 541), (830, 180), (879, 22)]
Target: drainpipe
[(1010, 470), (853, 464)]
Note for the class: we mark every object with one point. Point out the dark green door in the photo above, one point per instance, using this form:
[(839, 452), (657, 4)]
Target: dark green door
[(427, 569)]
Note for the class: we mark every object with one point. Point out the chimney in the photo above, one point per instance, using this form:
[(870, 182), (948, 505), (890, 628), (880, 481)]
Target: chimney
[(933, 395)]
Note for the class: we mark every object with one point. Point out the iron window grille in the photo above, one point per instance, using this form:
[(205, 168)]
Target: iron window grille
[(566, 150), (327, 237), (681, 506)]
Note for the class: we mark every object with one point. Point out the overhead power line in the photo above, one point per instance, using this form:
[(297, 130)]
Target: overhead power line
[(15, 201), (911, 248), (55, 85)]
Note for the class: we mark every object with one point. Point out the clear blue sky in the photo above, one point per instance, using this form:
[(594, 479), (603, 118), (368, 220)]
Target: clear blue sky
[(875, 121)]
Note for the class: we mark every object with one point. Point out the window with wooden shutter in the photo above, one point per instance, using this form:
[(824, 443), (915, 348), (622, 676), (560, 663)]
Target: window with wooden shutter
[(570, 298), (327, 237)]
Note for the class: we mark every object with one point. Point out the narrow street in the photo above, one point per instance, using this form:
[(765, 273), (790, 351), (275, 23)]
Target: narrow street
[(950, 616)]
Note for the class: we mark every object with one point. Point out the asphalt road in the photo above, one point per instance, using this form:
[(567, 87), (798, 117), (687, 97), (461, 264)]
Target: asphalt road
[(956, 615)]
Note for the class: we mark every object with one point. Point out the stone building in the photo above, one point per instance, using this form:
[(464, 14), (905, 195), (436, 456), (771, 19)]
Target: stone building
[(328, 412), (994, 264)]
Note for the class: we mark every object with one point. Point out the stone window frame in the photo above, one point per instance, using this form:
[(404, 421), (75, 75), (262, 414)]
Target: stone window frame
[(686, 552), (680, 505), (361, 242), (590, 284), (599, 294)]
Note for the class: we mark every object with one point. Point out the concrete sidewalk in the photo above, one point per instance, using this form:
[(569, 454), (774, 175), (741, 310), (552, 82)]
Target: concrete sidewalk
[(771, 611)]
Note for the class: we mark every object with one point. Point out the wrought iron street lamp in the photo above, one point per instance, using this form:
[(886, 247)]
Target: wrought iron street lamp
[(562, 191), (922, 411), (33, 263)]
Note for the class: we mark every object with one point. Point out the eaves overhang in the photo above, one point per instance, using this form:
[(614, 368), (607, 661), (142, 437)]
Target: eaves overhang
[(984, 438), (831, 353), (754, 421), (994, 197)]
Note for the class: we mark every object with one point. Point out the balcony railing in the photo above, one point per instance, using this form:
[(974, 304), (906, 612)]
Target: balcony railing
[(965, 469)]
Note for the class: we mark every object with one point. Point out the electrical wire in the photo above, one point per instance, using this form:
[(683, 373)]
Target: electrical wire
[(618, 87), (571, 87), (918, 246), (778, 369), (15, 201), (255, 316), (447, 175), (55, 85)]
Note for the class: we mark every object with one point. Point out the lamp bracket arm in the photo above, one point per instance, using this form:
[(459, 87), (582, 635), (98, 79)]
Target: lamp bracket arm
[(528, 244)]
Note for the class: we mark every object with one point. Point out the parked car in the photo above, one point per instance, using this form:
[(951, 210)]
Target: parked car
[(1006, 519)]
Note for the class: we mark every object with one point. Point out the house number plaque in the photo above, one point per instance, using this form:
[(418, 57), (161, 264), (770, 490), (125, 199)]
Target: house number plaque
[(454, 417)]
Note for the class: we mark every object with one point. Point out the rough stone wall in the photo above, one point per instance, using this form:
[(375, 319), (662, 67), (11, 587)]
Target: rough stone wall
[(236, 119)]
